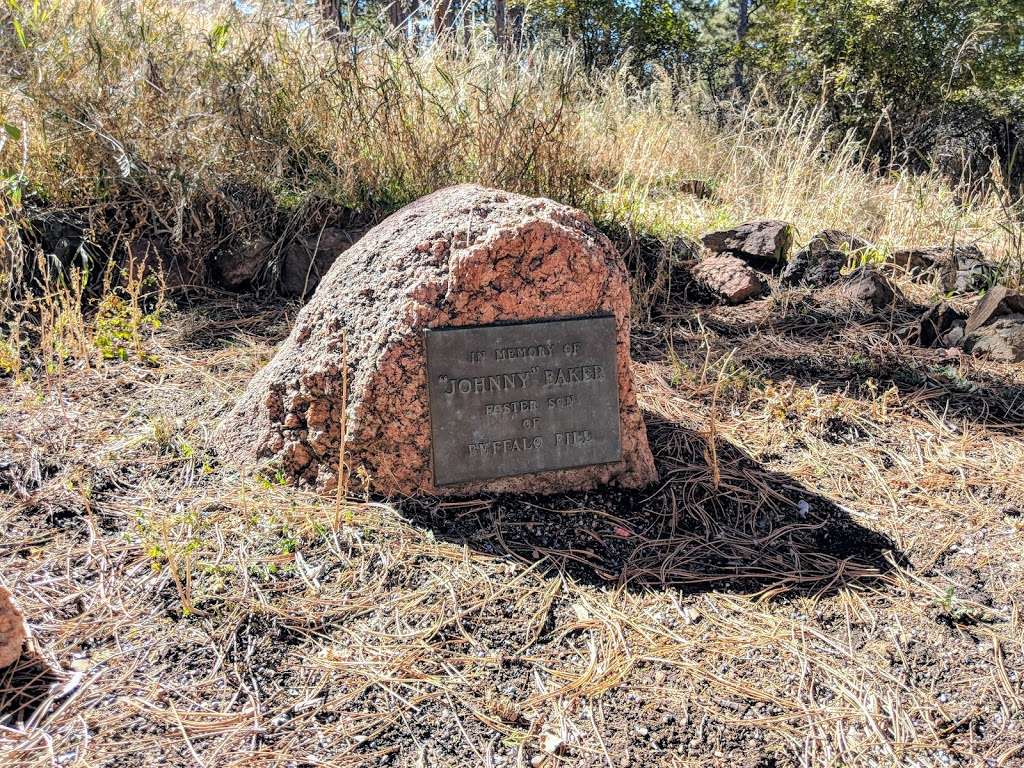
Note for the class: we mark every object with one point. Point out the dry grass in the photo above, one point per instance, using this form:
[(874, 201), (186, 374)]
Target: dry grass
[(837, 583), (830, 573), (203, 127)]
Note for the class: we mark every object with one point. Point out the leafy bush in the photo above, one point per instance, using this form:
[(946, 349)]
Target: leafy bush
[(915, 78)]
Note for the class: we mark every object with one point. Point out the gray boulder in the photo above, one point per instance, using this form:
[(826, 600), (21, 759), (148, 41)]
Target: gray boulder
[(1001, 340), (941, 326), (995, 328), (865, 286), (836, 240), (814, 269), (999, 301), (820, 262), (766, 241), (960, 268)]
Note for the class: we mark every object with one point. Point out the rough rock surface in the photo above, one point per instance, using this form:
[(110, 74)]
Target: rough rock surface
[(1002, 339), (941, 326), (995, 328), (814, 268), (13, 629), (997, 302), (767, 241), (461, 256), (307, 260), (729, 278), (969, 271), (836, 240), (961, 268), (820, 262), (236, 267), (866, 286)]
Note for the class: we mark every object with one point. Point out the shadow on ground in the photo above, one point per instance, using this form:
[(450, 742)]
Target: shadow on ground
[(25, 691), (720, 522), (810, 342)]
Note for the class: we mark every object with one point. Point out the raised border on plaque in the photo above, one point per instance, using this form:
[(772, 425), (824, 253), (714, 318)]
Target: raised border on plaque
[(518, 398)]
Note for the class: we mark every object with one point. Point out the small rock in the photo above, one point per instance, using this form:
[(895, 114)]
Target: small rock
[(969, 272), (761, 240), (865, 286), (916, 259), (953, 337), (816, 269), (236, 268), (551, 741), (307, 260), (999, 301), (1001, 340), (691, 615), (836, 240), (961, 268), (729, 278), (820, 262), (13, 629), (938, 326)]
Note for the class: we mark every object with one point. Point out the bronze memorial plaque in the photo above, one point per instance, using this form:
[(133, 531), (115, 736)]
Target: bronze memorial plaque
[(519, 398)]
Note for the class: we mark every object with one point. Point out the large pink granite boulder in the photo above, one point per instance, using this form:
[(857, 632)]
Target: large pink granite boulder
[(461, 256)]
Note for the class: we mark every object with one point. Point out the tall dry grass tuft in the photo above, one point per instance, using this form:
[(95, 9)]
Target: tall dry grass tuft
[(769, 160), (203, 127)]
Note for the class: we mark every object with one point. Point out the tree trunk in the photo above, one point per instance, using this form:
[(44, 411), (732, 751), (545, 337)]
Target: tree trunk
[(516, 17), (334, 14), (444, 18), (742, 26), (396, 15), (499, 23)]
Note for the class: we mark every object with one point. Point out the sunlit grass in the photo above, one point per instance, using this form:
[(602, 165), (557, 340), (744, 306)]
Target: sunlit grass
[(204, 125)]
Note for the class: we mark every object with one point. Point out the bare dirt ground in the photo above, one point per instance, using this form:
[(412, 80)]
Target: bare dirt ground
[(831, 572)]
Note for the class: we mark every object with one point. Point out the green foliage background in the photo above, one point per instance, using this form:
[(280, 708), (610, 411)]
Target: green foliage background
[(924, 81)]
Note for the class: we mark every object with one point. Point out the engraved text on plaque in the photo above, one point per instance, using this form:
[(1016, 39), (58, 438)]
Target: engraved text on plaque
[(521, 398)]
